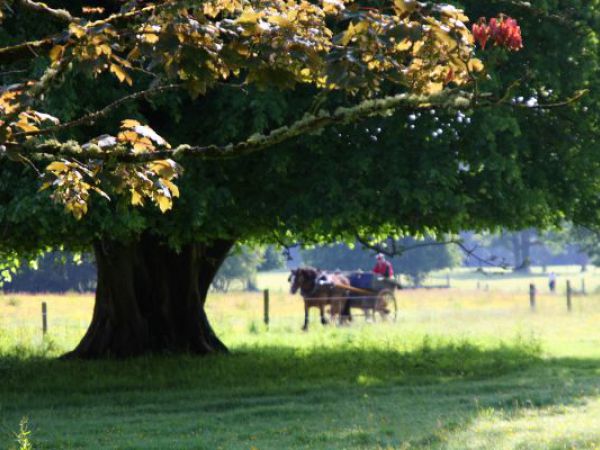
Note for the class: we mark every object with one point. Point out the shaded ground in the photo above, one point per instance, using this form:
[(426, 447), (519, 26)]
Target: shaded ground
[(435, 396)]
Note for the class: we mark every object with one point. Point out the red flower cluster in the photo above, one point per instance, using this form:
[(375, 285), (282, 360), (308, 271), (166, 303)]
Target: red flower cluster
[(504, 31)]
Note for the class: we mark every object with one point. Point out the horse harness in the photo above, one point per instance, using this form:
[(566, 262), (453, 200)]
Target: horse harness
[(320, 281)]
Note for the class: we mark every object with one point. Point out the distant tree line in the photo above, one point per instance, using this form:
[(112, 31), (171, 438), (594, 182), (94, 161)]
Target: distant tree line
[(54, 272), (61, 272), (420, 257)]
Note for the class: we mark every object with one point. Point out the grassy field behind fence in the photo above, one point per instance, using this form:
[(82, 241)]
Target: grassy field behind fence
[(461, 368)]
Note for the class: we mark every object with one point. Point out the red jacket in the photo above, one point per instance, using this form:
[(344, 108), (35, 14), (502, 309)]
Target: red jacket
[(384, 268)]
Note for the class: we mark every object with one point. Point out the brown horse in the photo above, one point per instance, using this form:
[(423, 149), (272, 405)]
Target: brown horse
[(319, 289)]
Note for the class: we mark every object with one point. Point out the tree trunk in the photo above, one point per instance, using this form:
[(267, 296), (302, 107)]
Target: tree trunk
[(526, 250), (151, 298), (516, 244)]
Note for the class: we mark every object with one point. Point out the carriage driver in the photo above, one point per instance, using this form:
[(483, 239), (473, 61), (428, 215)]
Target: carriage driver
[(383, 267)]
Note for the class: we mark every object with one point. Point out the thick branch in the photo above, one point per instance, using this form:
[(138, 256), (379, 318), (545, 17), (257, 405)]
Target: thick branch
[(560, 104), (399, 250), (470, 252), (60, 14), (450, 99), (25, 50), (90, 118)]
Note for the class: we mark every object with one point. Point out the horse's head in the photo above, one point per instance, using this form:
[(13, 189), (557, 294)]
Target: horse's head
[(303, 279), (293, 280)]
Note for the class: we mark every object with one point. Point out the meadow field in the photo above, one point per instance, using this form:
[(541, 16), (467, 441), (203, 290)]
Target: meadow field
[(461, 368)]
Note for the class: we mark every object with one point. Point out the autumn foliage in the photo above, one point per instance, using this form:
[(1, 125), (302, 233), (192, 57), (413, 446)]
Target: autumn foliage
[(334, 45)]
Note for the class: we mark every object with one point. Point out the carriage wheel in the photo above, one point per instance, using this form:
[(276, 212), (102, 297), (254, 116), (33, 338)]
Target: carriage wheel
[(387, 301)]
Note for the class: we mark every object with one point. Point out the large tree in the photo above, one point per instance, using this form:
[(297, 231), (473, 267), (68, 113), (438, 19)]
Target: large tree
[(223, 80)]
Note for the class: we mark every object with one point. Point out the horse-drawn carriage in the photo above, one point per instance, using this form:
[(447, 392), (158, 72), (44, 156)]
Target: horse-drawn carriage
[(373, 293), (363, 290)]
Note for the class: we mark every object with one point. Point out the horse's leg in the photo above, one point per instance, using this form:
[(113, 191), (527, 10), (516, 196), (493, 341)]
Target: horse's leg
[(333, 310), (322, 309), (345, 313), (305, 327), (341, 308)]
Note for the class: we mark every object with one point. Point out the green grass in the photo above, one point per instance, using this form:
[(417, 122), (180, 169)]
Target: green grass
[(460, 369)]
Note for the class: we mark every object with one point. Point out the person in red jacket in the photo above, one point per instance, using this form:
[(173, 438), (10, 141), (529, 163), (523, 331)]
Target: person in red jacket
[(383, 267)]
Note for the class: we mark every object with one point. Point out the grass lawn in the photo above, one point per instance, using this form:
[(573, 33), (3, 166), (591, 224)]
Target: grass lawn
[(460, 369)]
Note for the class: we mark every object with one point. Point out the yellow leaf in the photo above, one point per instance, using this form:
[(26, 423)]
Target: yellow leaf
[(134, 53), (280, 21), (248, 17), (136, 198), (142, 146), (305, 74), (353, 30), (127, 136), (150, 38), (120, 73), (129, 123), (434, 88), (103, 49), (56, 52), (57, 166), (163, 168), (172, 187), (403, 7), (332, 6), (403, 45), (164, 203), (76, 211), (45, 186), (26, 127), (417, 46), (210, 10), (76, 30), (475, 65)]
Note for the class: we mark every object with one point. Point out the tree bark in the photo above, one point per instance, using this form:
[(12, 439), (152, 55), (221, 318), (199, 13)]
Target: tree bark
[(150, 298)]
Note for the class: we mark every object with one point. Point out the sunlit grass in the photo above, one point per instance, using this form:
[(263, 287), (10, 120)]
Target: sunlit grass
[(460, 368)]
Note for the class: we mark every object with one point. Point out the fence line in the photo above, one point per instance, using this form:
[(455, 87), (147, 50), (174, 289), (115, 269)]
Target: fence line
[(52, 325)]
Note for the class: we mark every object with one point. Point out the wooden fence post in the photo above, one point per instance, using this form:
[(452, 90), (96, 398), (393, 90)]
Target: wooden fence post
[(569, 304), (532, 296), (44, 318), (266, 306)]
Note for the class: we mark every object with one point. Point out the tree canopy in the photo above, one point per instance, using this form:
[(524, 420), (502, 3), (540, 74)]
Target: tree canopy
[(438, 170)]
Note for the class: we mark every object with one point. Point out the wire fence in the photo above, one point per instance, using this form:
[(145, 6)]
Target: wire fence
[(279, 311)]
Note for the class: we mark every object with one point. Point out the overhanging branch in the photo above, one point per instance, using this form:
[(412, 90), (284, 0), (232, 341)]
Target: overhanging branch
[(450, 99), (90, 118), (59, 14), (394, 249), (25, 50)]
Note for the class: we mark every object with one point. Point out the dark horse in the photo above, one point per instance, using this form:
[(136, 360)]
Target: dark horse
[(319, 289)]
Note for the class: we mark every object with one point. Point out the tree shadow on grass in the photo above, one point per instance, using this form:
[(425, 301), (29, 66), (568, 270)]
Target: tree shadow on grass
[(344, 397), (277, 368)]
